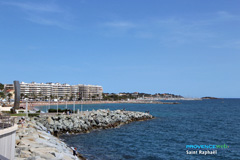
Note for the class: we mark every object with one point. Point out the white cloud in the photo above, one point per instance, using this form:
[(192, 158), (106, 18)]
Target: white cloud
[(223, 15), (34, 7), (49, 22), (144, 34), (174, 30), (120, 24), (43, 13), (166, 31), (233, 44)]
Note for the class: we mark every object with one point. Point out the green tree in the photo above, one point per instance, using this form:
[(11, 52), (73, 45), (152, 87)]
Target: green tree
[(2, 95), (9, 96), (1, 86), (33, 95), (22, 95), (93, 97), (40, 95), (66, 96)]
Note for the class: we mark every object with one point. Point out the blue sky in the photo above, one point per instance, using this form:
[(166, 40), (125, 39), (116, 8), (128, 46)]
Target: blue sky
[(183, 47)]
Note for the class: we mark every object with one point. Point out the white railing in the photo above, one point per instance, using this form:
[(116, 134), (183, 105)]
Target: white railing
[(6, 121), (7, 137)]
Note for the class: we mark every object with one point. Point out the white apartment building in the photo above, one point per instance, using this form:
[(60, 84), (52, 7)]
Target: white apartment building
[(90, 91), (57, 90)]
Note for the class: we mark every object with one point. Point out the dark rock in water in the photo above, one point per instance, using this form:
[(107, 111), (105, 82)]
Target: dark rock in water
[(209, 98)]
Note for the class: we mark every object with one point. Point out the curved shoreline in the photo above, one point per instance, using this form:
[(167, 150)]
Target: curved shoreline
[(90, 120), (31, 105), (34, 137)]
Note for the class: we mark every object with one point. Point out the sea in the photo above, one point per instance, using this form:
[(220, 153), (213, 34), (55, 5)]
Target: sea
[(178, 132)]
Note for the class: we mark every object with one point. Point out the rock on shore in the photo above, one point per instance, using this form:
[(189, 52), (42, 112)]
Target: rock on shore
[(34, 143), (99, 119)]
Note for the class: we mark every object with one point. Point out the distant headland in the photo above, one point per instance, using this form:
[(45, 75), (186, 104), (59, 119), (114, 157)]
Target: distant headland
[(209, 98)]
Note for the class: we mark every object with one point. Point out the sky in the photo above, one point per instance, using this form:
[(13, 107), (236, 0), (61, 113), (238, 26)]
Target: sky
[(185, 47)]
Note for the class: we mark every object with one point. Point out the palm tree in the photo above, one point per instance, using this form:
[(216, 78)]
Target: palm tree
[(66, 96), (9, 96), (22, 96), (66, 99), (40, 95)]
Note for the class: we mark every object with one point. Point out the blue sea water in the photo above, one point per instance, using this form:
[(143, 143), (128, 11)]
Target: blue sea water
[(206, 122)]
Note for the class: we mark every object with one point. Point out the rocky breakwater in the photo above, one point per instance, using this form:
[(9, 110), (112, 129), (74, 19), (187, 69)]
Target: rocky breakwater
[(82, 123), (34, 143)]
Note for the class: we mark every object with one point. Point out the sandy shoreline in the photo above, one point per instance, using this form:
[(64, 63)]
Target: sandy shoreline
[(31, 105)]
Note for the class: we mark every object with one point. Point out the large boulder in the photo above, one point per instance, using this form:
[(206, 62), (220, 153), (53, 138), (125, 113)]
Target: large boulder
[(41, 126), (66, 122), (25, 154), (50, 121)]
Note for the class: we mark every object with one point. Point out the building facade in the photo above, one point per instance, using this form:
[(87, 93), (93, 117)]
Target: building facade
[(57, 90)]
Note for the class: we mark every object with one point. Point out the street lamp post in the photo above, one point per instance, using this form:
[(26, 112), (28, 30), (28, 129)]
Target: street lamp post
[(66, 103), (74, 104), (57, 99), (46, 108), (82, 103), (27, 108), (49, 102), (57, 104)]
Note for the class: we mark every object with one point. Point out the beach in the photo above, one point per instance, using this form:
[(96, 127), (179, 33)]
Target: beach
[(33, 104)]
